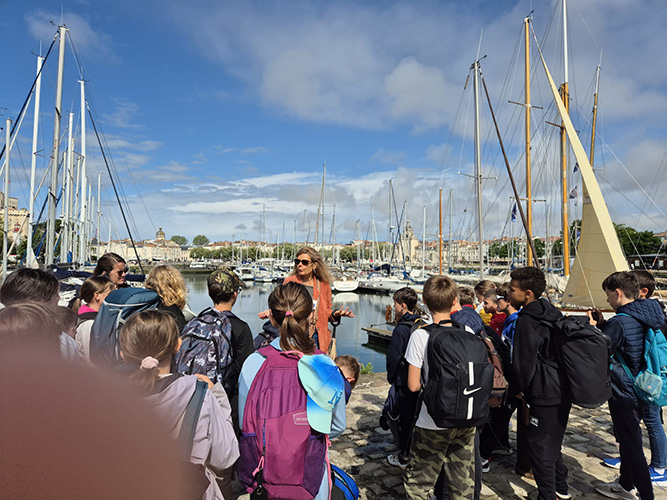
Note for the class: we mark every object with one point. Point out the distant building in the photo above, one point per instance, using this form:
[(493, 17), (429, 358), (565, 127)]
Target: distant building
[(18, 218), (157, 250)]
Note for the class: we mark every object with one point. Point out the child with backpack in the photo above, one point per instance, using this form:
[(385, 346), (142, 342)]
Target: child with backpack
[(540, 382), (93, 292), (652, 417), (188, 408), (627, 332), (290, 403), (465, 313), (406, 309), (453, 404)]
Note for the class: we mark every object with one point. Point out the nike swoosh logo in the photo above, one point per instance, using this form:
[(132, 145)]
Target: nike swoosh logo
[(466, 392)]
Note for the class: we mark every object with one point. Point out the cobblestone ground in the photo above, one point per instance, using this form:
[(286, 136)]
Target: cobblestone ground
[(364, 446)]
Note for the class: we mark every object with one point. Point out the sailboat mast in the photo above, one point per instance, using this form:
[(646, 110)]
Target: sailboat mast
[(55, 155), (424, 245), (565, 95), (529, 193), (5, 221), (595, 112), (440, 234), (82, 214), (99, 213), (451, 210), (30, 256), (478, 171), (67, 186)]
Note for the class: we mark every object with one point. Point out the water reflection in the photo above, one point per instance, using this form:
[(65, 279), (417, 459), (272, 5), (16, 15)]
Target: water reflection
[(368, 309)]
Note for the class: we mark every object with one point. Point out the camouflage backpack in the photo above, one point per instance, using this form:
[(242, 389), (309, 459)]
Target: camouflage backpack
[(207, 349)]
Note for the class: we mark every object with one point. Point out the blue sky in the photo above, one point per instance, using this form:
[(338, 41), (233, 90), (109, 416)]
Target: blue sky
[(217, 111)]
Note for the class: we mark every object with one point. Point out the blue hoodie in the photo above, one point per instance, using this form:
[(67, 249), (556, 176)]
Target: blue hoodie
[(626, 334)]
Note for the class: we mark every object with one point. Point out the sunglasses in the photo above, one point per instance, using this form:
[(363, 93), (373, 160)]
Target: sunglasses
[(303, 262), (123, 271)]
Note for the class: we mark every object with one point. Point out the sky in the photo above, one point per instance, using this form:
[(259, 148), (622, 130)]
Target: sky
[(218, 116)]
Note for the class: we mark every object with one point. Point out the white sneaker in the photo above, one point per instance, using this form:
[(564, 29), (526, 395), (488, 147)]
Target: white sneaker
[(615, 490), (395, 460)]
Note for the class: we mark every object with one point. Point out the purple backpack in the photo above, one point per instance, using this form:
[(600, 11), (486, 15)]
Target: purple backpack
[(280, 452)]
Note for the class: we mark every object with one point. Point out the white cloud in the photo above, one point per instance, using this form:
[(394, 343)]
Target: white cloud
[(385, 156), (123, 115), (88, 41)]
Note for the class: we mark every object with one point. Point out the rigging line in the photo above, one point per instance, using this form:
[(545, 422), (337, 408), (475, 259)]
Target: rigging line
[(658, 175), (27, 99), (634, 180), (113, 183), (122, 190)]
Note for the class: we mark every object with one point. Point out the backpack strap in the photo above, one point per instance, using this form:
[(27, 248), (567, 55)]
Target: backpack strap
[(186, 435)]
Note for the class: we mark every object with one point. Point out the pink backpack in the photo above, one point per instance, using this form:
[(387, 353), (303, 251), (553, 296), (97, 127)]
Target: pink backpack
[(280, 452)]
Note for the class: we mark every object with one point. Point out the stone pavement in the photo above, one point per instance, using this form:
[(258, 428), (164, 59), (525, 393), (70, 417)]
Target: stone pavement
[(362, 450)]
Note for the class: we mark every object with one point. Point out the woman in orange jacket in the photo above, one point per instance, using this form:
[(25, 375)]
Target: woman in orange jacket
[(311, 271)]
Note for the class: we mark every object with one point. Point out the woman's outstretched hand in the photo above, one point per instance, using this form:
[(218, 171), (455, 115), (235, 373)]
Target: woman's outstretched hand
[(343, 311)]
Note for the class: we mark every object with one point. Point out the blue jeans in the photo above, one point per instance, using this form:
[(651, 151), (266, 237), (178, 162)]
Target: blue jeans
[(656, 435)]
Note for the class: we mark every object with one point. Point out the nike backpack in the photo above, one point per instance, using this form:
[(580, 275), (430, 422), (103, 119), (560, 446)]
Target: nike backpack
[(460, 377)]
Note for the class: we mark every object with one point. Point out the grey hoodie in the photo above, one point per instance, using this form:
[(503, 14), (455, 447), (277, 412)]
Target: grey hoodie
[(215, 444)]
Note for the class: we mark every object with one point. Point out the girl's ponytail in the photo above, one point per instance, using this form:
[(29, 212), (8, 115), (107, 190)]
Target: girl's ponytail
[(291, 307), (148, 339)]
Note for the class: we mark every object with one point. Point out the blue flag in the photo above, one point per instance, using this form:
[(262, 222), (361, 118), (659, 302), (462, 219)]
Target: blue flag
[(576, 167), (514, 213)]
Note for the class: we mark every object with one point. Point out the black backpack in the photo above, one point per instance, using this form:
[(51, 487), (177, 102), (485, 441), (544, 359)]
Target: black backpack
[(584, 356), (460, 377)]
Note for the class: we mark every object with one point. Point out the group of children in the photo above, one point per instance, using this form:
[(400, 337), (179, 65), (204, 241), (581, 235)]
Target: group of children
[(266, 428), (445, 462), (219, 434)]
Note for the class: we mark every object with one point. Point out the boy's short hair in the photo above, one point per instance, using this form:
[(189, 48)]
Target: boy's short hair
[(26, 284), (530, 278), (222, 284), (351, 363), (503, 291), (407, 296), (440, 292), (492, 295), (645, 280), (484, 286), (466, 296), (624, 280)]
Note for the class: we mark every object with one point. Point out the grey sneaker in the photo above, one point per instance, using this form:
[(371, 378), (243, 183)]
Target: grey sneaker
[(615, 490)]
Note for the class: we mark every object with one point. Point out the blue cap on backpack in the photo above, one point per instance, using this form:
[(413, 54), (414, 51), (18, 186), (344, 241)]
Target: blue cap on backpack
[(324, 387)]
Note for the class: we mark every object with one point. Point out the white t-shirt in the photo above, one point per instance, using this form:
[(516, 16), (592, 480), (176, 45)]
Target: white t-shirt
[(415, 354)]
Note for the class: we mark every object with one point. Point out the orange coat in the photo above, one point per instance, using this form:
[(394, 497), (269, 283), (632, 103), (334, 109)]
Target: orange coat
[(324, 312)]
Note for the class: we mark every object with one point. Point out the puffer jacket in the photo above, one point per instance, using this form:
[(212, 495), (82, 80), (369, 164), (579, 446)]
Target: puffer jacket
[(397, 367), (467, 316), (542, 384), (626, 332)]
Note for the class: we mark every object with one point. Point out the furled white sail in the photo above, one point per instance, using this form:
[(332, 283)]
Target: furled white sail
[(599, 252)]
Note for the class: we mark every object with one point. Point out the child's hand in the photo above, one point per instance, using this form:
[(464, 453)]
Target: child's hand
[(205, 379), (263, 314)]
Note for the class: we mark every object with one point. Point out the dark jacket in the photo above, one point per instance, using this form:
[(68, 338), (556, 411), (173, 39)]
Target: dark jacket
[(242, 342), (397, 367), (626, 334), (467, 316), (175, 312), (266, 336), (542, 384)]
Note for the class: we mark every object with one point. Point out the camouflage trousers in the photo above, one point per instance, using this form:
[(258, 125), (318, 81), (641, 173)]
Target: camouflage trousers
[(430, 451)]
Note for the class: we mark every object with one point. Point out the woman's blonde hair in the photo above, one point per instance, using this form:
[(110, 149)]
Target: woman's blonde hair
[(291, 306), (151, 334), (320, 269), (168, 282)]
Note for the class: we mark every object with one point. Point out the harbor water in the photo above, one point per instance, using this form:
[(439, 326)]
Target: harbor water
[(368, 309)]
